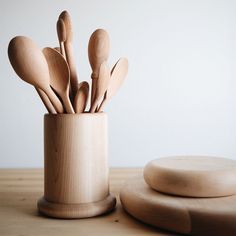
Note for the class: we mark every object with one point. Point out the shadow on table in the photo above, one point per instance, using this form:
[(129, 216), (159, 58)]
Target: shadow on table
[(28, 207)]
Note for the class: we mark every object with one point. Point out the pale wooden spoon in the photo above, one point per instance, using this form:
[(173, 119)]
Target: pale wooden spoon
[(59, 76), (69, 52), (98, 52), (101, 85), (81, 97), (118, 74), (61, 33), (31, 66)]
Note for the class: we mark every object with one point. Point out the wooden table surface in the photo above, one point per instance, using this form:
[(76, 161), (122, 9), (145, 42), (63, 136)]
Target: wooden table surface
[(21, 188)]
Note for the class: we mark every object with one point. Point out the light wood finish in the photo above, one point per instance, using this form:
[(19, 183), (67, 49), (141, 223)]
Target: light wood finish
[(59, 76), (61, 34), (31, 66), (46, 101), (77, 211), (101, 85), (58, 49), (118, 74), (98, 52), (193, 176), (21, 188), (81, 97), (194, 216), (76, 167), (69, 52)]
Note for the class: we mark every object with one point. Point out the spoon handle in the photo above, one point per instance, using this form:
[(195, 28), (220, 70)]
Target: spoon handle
[(101, 107), (46, 101), (81, 97), (73, 74), (67, 103), (93, 91), (94, 106), (62, 49), (54, 100)]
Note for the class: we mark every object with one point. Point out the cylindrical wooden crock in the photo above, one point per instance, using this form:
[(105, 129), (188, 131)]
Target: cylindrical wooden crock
[(76, 181)]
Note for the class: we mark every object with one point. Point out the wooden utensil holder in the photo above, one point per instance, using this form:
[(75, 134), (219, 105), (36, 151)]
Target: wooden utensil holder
[(76, 172)]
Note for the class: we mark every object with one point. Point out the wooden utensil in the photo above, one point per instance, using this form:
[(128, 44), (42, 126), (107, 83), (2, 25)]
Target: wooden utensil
[(31, 66), (59, 76), (61, 33), (98, 52), (192, 216), (69, 52), (58, 49), (118, 75), (192, 176), (81, 97), (46, 101), (101, 85)]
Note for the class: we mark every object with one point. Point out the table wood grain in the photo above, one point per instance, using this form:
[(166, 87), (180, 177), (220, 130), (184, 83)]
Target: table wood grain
[(21, 188)]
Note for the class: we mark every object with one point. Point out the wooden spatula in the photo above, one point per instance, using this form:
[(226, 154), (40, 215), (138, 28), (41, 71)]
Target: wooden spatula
[(101, 85), (81, 97), (118, 74), (59, 76)]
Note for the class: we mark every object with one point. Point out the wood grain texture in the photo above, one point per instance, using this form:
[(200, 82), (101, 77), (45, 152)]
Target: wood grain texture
[(193, 176), (194, 216), (76, 161), (21, 188), (77, 211)]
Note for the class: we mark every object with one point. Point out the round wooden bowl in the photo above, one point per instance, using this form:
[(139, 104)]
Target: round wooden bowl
[(192, 176)]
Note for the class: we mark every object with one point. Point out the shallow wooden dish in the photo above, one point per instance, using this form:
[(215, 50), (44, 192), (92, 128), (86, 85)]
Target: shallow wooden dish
[(192, 176), (194, 216)]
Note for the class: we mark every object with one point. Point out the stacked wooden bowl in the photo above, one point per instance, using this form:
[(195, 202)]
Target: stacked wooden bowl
[(193, 195)]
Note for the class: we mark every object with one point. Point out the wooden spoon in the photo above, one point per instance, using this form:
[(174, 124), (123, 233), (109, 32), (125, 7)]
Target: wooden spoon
[(81, 97), (101, 85), (118, 74), (61, 33), (59, 76), (69, 52), (31, 66), (98, 52)]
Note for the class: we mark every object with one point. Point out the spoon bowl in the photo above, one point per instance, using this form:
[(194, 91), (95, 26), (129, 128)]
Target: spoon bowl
[(31, 66), (59, 76), (98, 52)]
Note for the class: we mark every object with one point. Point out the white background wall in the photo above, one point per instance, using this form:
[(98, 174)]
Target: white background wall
[(180, 93)]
